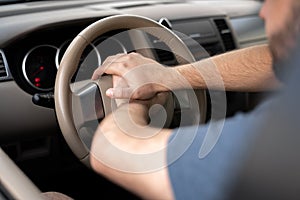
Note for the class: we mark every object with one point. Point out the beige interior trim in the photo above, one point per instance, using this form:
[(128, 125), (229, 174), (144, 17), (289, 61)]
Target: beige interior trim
[(15, 181)]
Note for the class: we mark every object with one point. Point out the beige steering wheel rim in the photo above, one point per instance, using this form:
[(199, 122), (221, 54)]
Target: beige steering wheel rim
[(70, 61)]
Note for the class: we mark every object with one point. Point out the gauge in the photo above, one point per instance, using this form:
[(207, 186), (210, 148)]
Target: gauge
[(108, 46), (39, 67), (89, 61)]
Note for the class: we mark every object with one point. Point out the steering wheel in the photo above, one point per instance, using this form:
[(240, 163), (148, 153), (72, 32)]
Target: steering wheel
[(65, 97)]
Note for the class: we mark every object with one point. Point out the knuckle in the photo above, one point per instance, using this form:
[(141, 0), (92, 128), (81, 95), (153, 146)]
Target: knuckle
[(109, 58), (122, 65), (132, 56), (137, 94), (128, 57)]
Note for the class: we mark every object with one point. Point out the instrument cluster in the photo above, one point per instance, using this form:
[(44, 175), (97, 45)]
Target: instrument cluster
[(40, 64)]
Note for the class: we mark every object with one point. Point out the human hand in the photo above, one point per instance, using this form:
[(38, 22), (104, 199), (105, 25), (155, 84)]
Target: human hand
[(135, 76), (139, 114)]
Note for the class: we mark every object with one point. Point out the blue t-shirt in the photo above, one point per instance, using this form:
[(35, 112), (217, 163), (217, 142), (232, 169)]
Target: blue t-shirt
[(209, 177), (272, 129)]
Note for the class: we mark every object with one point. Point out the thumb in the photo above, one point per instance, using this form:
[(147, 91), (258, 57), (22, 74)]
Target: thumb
[(119, 93)]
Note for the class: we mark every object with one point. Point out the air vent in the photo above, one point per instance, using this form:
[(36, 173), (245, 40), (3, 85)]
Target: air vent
[(3, 67), (162, 51), (225, 34)]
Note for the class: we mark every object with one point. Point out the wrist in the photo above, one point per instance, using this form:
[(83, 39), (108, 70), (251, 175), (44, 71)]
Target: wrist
[(172, 79), (182, 74), (192, 75)]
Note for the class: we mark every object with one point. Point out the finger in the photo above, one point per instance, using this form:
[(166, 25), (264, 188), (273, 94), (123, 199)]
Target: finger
[(120, 62), (113, 58), (119, 82), (105, 65), (98, 73), (115, 65), (119, 93), (113, 69)]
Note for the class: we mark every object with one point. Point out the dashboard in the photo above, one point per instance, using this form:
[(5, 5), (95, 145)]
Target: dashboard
[(35, 35)]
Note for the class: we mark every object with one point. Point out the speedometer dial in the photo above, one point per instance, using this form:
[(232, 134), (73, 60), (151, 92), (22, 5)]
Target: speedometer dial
[(39, 67), (89, 61)]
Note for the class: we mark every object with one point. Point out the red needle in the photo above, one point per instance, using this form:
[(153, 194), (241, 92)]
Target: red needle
[(41, 68)]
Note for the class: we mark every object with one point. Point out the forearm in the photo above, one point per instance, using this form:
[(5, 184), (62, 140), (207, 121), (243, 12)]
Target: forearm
[(248, 69), (124, 154)]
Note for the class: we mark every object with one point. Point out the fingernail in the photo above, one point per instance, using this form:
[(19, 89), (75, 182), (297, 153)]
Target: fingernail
[(109, 92)]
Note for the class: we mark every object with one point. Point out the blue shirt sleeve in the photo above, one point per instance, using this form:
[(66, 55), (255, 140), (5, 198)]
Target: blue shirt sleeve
[(210, 177)]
